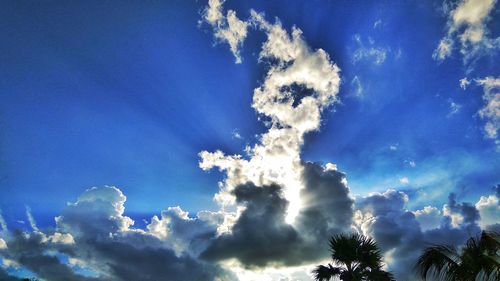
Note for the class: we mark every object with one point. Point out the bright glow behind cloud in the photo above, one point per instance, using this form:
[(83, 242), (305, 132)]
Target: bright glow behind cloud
[(276, 160)]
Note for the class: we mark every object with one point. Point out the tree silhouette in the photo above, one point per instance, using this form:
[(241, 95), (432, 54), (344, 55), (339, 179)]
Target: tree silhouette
[(478, 259), (356, 257)]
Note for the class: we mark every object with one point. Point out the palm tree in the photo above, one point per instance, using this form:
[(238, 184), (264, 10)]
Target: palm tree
[(479, 259), (357, 258)]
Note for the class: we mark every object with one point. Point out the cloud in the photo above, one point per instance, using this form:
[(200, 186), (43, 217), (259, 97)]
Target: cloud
[(299, 84), (428, 218), (375, 54), (276, 211), (327, 209), (170, 245), (184, 234), (94, 231), (357, 87), (403, 234), (3, 224), (273, 188), (491, 110), (30, 218), (454, 108), (236, 134), (273, 241), (31, 251), (467, 24), (228, 28), (489, 210), (464, 83), (404, 180), (3, 245)]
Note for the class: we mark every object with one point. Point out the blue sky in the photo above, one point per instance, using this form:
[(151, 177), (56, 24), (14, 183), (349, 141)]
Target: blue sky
[(98, 95), (127, 94)]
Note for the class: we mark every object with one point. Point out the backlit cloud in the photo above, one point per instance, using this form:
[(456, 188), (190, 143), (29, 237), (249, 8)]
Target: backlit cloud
[(275, 210)]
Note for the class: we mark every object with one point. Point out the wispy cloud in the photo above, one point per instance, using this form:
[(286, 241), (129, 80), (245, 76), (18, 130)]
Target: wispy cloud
[(31, 219), (404, 181), (3, 224), (368, 52), (467, 24), (357, 87), (491, 110), (454, 108), (464, 82), (227, 28)]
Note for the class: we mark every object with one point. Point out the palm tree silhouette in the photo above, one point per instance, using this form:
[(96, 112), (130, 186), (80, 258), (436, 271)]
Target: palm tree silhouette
[(479, 259), (357, 258)]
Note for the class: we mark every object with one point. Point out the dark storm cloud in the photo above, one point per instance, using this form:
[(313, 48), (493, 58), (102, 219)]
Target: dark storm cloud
[(261, 236)]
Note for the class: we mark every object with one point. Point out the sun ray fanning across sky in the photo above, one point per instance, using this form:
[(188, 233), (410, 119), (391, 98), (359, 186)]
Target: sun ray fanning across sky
[(227, 140)]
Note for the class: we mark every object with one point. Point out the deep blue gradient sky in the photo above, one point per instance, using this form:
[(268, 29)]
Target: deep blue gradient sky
[(126, 94)]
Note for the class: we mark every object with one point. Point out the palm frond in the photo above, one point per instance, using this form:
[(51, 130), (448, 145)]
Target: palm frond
[(439, 261), (325, 273), (355, 250)]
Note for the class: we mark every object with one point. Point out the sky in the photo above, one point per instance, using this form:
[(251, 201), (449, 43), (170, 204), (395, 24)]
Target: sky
[(165, 130)]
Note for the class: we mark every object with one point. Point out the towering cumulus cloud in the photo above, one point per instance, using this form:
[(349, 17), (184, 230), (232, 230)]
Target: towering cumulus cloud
[(299, 85), (296, 205)]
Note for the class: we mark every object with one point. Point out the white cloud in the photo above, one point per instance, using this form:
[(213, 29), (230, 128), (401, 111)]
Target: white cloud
[(3, 224), (3, 245), (489, 210), (372, 53), (357, 87), (444, 49), (331, 166), (467, 24), (227, 28), (404, 181), (236, 134), (491, 110), (464, 83), (456, 218), (410, 163), (429, 217), (276, 159), (31, 219), (454, 108), (61, 238)]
